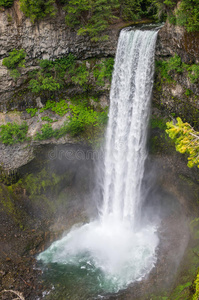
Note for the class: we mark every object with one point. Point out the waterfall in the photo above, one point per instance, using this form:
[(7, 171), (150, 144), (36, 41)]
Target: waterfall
[(111, 252), (125, 151)]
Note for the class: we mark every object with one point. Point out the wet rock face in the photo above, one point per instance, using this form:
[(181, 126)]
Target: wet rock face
[(174, 39)]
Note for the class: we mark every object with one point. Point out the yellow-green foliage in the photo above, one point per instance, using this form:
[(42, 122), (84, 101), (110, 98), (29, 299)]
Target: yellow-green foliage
[(196, 295), (186, 140)]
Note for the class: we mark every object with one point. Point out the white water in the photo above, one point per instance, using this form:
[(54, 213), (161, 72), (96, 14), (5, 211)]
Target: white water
[(114, 244), (128, 120)]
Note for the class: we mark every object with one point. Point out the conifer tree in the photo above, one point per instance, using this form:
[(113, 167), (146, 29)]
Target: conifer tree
[(186, 140)]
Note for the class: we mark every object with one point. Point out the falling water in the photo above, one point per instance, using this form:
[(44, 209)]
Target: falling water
[(128, 120), (113, 251)]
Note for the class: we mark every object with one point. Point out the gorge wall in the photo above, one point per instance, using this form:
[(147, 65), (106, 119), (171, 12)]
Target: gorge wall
[(180, 97), (47, 39), (51, 39), (52, 192)]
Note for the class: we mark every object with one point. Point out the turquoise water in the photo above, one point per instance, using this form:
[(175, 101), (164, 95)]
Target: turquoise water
[(96, 259)]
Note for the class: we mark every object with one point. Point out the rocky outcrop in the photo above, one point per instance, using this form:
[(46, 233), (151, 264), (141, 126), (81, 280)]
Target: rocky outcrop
[(179, 97), (47, 39), (14, 156), (174, 39)]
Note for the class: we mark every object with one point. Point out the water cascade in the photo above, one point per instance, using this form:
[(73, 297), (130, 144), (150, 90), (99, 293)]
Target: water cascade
[(128, 120), (116, 249)]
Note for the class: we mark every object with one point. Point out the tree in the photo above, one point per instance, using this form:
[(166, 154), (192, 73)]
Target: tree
[(37, 9), (91, 16), (6, 3), (186, 140)]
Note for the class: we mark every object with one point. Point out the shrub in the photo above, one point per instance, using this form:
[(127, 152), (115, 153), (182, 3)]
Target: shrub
[(47, 119), (44, 84), (82, 119), (51, 75), (91, 17), (15, 60), (193, 73), (186, 140), (54, 75), (175, 64), (32, 111), (103, 70), (37, 9), (131, 10), (187, 15), (13, 133), (6, 3), (80, 75), (46, 132), (60, 108)]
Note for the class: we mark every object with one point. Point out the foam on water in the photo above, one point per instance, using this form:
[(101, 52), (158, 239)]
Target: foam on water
[(122, 254)]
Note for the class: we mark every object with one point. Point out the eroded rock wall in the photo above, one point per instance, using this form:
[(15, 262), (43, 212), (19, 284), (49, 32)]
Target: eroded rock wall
[(47, 39), (179, 97)]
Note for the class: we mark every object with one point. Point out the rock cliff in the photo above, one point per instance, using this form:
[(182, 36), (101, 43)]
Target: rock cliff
[(179, 97), (47, 39), (50, 39)]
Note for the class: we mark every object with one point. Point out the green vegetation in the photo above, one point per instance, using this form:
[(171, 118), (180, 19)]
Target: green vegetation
[(60, 108), (13, 133), (54, 75), (9, 18), (196, 294), (103, 70), (184, 13), (47, 119), (51, 75), (82, 119), (6, 3), (187, 15), (186, 140), (40, 183), (85, 119), (175, 64), (46, 132), (37, 9), (182, 291), (134, 10), (14, 61), (91, 17), (193, 73), (157, 122), (44, 84), (32, 111)]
